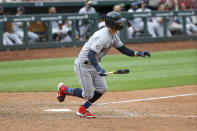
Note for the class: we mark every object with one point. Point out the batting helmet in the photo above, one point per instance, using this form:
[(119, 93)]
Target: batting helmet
[(114, 20)]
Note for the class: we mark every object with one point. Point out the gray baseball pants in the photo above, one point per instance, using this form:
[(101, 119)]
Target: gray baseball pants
[(89, 80)]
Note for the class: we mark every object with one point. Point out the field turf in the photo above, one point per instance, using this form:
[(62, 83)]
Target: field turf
[(163, 69)]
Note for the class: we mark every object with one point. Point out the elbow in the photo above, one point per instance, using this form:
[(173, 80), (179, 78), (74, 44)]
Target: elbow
[(91, 54)]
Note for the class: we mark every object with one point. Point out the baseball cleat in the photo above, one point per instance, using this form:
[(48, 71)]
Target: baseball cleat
[(61, 92), (83, 112)]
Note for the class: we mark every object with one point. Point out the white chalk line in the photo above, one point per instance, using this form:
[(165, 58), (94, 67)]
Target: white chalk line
[(147, 99), (154, 115), (167, 115), (128, 114), (58, 110)]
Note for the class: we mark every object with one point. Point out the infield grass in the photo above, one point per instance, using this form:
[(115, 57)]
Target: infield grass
[(163, 69)]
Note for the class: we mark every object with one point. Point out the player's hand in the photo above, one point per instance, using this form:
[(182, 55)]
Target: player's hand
[(144, 54), (101, 72)]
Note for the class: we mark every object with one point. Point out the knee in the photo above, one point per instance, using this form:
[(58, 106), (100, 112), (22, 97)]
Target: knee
[(88, 96), (36, 37), (102, 90)]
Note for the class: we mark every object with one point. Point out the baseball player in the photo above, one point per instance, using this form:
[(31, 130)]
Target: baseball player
[(67, 30), (18, 28), (190, 27), (131, 29), (6, 40), (85, 25), (160, 21), (138, 23), (89, 73), (56, 31), (11, 35)]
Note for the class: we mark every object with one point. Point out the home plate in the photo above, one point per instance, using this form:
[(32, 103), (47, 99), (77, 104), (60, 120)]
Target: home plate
[(59, 110)]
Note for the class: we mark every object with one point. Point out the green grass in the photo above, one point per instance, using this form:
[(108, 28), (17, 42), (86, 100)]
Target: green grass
[(163, 69)]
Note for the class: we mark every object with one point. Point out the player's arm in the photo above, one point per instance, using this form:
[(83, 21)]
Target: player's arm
[(129, 52), (93, 61)]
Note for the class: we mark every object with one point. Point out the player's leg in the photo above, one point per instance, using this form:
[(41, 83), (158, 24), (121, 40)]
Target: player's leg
[(139, 28), (188, 29), (151, 30), (101, 87), (6, 40), (15, 38), (84, 76), (169, 34), (85, 79), (20, 34), (194, 28), (33, 37), (67, 38), (130, 31), (83, 32), (176, 27), (160, 30)]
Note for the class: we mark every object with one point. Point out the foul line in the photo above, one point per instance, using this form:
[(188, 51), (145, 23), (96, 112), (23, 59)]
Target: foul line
[(148, 99), (128, 114)]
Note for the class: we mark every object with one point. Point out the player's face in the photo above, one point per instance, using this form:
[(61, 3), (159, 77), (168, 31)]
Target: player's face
[(52, 10), (161, 8), (183, 6), (143, 5), (19, 12), (87, 6)]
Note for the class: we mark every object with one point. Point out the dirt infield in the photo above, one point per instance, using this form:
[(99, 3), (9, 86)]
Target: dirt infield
[(73, 51), (177, 111)]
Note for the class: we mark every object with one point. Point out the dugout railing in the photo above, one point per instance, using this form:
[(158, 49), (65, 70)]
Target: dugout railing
[(74, 17), (49, 43), (145, 37)]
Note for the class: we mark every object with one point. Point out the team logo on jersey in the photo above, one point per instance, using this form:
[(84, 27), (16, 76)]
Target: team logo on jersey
[(98, 47)]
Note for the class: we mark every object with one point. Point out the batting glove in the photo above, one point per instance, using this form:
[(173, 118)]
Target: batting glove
[(143, 54), (100, 71)]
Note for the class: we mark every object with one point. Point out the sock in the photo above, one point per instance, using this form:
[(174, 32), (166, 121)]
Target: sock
[(87, 104), (77, 92), (95, 97), (69, 91)]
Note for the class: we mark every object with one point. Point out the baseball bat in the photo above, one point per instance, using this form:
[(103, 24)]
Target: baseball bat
[(123, 71)]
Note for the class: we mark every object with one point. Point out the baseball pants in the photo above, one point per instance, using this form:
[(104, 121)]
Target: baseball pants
[(89, 80), (6, 40), (33, 36), (14, 37)]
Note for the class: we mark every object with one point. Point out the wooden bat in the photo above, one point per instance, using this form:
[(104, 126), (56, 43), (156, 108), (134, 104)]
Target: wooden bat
[(123, 71)]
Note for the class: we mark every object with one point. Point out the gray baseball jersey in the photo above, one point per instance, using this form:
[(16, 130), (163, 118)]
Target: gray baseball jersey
[(100, 42)]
